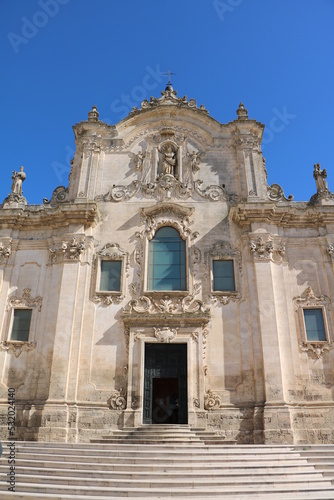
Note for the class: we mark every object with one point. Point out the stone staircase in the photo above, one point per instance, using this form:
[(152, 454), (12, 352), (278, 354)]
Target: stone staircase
[(168, 462)]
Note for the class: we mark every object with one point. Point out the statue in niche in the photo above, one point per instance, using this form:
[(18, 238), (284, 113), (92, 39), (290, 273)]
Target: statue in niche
[(168, 160), (18, 178), (320, 178)]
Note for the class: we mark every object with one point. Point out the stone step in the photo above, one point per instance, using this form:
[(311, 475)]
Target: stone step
[(177, 470), (292, 483), (149, 466), (185, 475), (170, 491), (167, 459), (307, 495)]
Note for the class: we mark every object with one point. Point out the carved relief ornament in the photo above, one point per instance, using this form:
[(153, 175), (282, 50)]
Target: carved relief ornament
[(67, 251), (308, 299), (5, 252), (25, 301), (223, 250), (212, 401), (110, 252), (117, 400), (17, 347), (267, 249)]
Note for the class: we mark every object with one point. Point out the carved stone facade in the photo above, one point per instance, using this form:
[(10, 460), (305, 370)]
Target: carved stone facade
[(230, 348)]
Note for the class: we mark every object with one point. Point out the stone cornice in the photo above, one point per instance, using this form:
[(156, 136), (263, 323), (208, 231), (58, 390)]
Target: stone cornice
[(292, 215), (38, 216)]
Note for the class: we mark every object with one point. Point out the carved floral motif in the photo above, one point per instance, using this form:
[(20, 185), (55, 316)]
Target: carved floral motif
[(266, 250), (225, 299), (165, 334), (25, 300), (17, 347), (117, 400), (212, 401), (309, 299), (316, 349), (69, 250)]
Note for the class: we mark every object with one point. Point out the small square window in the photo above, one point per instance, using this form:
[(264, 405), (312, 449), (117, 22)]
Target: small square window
[(110, 280), (223, 276), (21, 325), (314, 325)]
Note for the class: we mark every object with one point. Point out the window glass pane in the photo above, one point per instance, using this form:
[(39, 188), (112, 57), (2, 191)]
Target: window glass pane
[(166, 261), (314, 324), (21, 325), (111, 275), (223, 276)]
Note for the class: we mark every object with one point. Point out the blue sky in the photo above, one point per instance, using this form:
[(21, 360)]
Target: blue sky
[(59, 57)]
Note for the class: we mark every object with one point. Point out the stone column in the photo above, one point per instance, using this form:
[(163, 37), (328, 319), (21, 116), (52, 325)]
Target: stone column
[(276, 418)]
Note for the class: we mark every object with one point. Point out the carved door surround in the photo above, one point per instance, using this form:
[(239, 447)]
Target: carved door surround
[(137, 337)]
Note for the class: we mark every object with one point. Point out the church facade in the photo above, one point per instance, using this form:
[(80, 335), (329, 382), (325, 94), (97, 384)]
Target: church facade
[(168, 284)]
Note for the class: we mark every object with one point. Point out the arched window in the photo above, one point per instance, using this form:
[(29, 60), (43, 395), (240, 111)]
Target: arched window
[(167, 261)]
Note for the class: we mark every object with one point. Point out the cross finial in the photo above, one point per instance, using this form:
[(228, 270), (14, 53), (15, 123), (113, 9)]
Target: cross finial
[(169, 73)]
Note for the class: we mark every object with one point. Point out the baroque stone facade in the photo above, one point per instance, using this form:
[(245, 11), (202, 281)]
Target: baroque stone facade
[(230, 348)]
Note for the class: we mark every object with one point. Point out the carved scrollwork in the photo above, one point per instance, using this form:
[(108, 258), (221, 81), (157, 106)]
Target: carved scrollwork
[(225, 299), (165, 334), (59, 195), (169, 98), (315, 349), (110, 252), (135, 402), (25, 300), (212, 401), (17, 347), (68, 251), (120, 193), (117, 400), (213, 193), (223, 250), (276, 193), (330, 251), (167, 304), (167, 187), (309, 299), (265, 249)]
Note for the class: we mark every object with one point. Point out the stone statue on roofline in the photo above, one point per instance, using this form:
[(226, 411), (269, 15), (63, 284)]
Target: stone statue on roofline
[(320, 177), (323, 196), (15, 199), (18, 178)]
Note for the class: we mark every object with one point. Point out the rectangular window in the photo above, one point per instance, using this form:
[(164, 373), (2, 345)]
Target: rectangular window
[(111, 271), (223, 276), (21, 325), (314, 325)]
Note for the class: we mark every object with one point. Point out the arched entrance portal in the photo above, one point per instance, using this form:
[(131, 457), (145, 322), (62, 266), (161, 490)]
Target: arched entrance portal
[(165, 384)]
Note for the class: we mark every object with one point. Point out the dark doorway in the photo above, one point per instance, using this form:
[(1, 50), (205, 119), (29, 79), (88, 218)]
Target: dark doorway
[(165, 384)]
